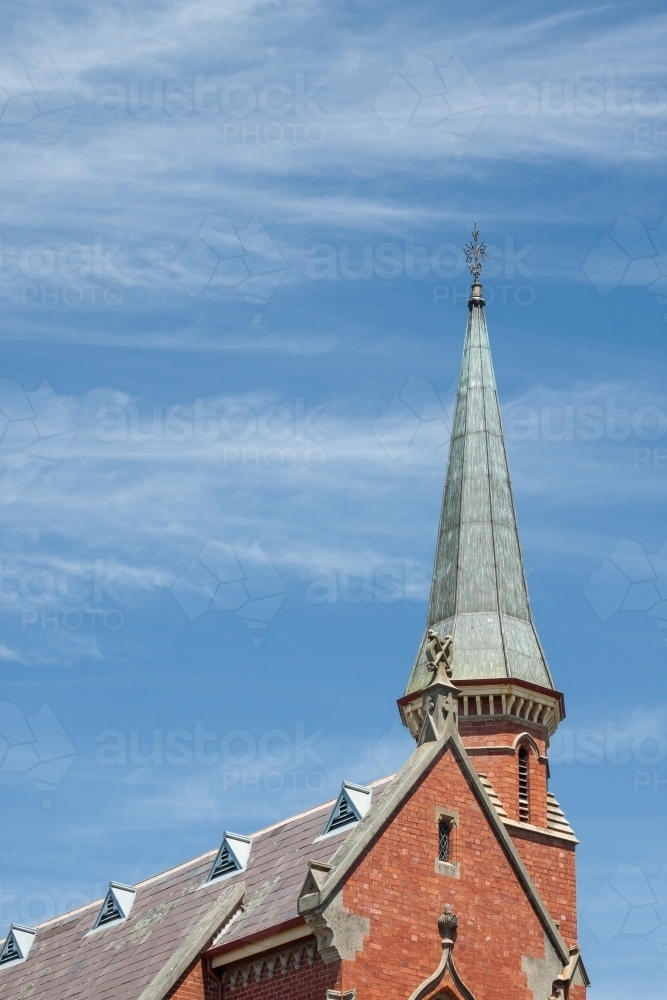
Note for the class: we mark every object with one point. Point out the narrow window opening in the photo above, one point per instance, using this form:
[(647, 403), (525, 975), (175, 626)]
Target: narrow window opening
[(524, 802), (444, 840)]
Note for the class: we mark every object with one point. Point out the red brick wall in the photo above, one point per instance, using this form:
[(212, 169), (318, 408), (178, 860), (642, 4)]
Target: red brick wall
[(502, 769), (308, 982), (195, 984), (551, 865), (396, 887)]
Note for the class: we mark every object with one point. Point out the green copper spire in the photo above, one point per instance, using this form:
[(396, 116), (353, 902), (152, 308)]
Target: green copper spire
[(479, 594)]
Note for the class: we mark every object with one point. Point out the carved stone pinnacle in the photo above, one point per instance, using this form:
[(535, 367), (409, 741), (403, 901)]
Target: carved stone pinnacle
[(439, 652)]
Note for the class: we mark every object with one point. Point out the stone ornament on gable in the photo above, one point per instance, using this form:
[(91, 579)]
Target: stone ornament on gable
[(438, 717), (447, 925)]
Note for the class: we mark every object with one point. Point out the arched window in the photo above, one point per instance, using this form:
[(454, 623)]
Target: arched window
[(524, 789)]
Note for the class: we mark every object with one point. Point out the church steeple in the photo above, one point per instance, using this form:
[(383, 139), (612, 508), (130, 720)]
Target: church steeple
[(479, 595)]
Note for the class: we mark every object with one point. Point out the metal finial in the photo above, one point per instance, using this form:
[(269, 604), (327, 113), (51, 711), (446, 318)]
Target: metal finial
[(475, 255)]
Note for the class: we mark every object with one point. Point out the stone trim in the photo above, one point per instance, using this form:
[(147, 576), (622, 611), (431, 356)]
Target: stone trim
[(339, 933), (448, 868), (493, 700), (278, 939), (503, 749), (517, 827), (196, 940)]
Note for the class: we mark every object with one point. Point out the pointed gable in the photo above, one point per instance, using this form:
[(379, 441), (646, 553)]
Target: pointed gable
[(396, 885)]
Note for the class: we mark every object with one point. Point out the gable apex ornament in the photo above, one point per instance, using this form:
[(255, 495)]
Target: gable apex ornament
[(447, 924)]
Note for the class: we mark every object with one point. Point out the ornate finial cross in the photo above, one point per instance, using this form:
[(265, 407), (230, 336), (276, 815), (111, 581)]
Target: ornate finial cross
[(475, 254)]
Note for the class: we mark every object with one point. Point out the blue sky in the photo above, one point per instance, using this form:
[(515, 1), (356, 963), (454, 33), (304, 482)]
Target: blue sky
[(233, 310)]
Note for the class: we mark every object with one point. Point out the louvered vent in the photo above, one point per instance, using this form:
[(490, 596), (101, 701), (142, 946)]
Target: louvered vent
[(110, 911), (232, 856), (343, 814), (524, 803), (10, 952), (17, 944), (352, 805), (225, 864), (116, 906)]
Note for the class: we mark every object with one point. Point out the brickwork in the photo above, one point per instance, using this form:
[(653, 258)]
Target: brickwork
[(395, 885), (502, 768), (551, 864), (195, 984), (299, 980)]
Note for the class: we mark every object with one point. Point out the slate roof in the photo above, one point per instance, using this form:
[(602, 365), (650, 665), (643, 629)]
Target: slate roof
[(120, 961), (479, 594)]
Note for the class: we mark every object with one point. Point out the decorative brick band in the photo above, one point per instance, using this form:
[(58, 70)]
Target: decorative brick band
[(266, 967)]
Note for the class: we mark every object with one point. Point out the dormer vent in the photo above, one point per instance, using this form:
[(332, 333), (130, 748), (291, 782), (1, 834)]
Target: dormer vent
[(17, 944), (117, 904), (232, 856), (352, 805)]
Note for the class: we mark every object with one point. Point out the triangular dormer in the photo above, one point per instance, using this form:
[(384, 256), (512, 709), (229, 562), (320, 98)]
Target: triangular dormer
[(117, 904), (316, 877), (17, 944), (351, 806), (232, 856)]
